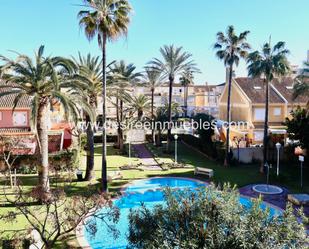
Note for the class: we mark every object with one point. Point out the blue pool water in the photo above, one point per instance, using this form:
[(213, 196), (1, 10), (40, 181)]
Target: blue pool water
[(149, 192)]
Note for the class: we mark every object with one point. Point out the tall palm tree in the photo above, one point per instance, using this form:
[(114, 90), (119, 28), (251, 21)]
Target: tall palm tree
[(186, 80), (88, 79), (268, 63), (121, 78), (41, 80), (108, 20), (301, 87), (140, 105), (174, 62), (152, 78), (230, 48)]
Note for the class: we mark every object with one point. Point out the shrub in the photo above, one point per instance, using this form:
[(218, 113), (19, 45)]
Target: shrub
[(211, 218)]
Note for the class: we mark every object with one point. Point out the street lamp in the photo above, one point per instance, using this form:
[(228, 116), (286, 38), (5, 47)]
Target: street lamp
[(175, 137), (299, 152), (278, 146)]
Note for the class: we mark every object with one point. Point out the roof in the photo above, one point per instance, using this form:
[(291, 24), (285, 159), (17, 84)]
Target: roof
[(20, 131), (255, 90), (284, 86), (8, 100)]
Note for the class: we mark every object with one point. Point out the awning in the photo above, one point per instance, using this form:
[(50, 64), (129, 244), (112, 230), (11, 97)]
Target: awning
[(277, 131)]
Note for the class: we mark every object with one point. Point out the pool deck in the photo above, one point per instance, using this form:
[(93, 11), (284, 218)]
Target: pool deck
[(279, 200)]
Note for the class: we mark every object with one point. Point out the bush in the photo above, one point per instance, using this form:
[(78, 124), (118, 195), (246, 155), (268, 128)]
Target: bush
[(208, 148), (211, 218), (109, 139)]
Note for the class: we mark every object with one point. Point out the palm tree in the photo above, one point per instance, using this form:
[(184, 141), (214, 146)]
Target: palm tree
[(162, 116), (88, 79), (108, 20), (152, 78), (121, 78), (186, 79), (140, 105), (269, 63), (230, 48), (41, 80), (174, 62), (301, 87)]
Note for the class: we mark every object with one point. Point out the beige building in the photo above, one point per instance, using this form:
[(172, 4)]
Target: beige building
[(201, 98), (248, 106)]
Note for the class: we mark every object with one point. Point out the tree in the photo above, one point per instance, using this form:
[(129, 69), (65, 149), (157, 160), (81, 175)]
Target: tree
[(206, 131), (301, 87), (140, 105), (87, 78), (230, 48), (298, 127), (211, 218), (11, 148), (162, 117), (56, 218), (108, 20), (268, 63), (152, 78), (41, 80), (186, 79), (122, 77), (174, 62)]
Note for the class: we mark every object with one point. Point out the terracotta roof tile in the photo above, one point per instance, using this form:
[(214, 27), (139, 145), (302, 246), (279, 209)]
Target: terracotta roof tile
[(254, 89), (8, 100), (285, 87)]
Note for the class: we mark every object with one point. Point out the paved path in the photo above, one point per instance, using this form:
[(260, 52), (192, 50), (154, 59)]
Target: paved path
[(279, 200), (146, 157)]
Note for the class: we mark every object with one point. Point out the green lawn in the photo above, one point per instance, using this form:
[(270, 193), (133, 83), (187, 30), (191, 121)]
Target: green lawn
[(240, 175)]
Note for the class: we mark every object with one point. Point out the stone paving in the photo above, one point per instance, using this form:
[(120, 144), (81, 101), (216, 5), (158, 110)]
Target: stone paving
[(149, 163), (279, 200)]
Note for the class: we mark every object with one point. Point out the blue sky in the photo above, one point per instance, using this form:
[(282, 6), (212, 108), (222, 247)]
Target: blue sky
[(193, 24)]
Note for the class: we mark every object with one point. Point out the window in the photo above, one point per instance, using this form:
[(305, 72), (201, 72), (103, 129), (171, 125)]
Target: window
[(20, 118), (259, 114), (258, 135), (277, 111)]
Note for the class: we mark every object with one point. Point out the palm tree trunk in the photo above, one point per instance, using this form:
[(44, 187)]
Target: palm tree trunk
[(104, 161), (169, 130), (42, 127), (186, 101), (118, 120), (265, 138), (158, 142), (120, 127), (152, 113), (227, 144), (140, 114), (90, 151)]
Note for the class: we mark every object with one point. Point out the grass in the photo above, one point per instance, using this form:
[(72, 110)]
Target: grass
[(240, 175)]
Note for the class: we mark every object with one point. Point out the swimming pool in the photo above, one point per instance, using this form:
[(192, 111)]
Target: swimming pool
[(150, 192)]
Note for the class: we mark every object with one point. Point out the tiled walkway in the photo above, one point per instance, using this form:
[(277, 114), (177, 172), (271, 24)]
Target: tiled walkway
[(146, 157), (279, 200)]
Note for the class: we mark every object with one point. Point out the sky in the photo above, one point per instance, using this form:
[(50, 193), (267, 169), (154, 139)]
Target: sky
[(192, 24)]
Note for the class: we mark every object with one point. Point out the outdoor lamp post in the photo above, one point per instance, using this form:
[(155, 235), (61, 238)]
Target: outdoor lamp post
[(176, 137), (278, 146), (299, 152), (301, 158)]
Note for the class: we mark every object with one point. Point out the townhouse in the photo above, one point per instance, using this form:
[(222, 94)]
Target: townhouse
[(248, 106)]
